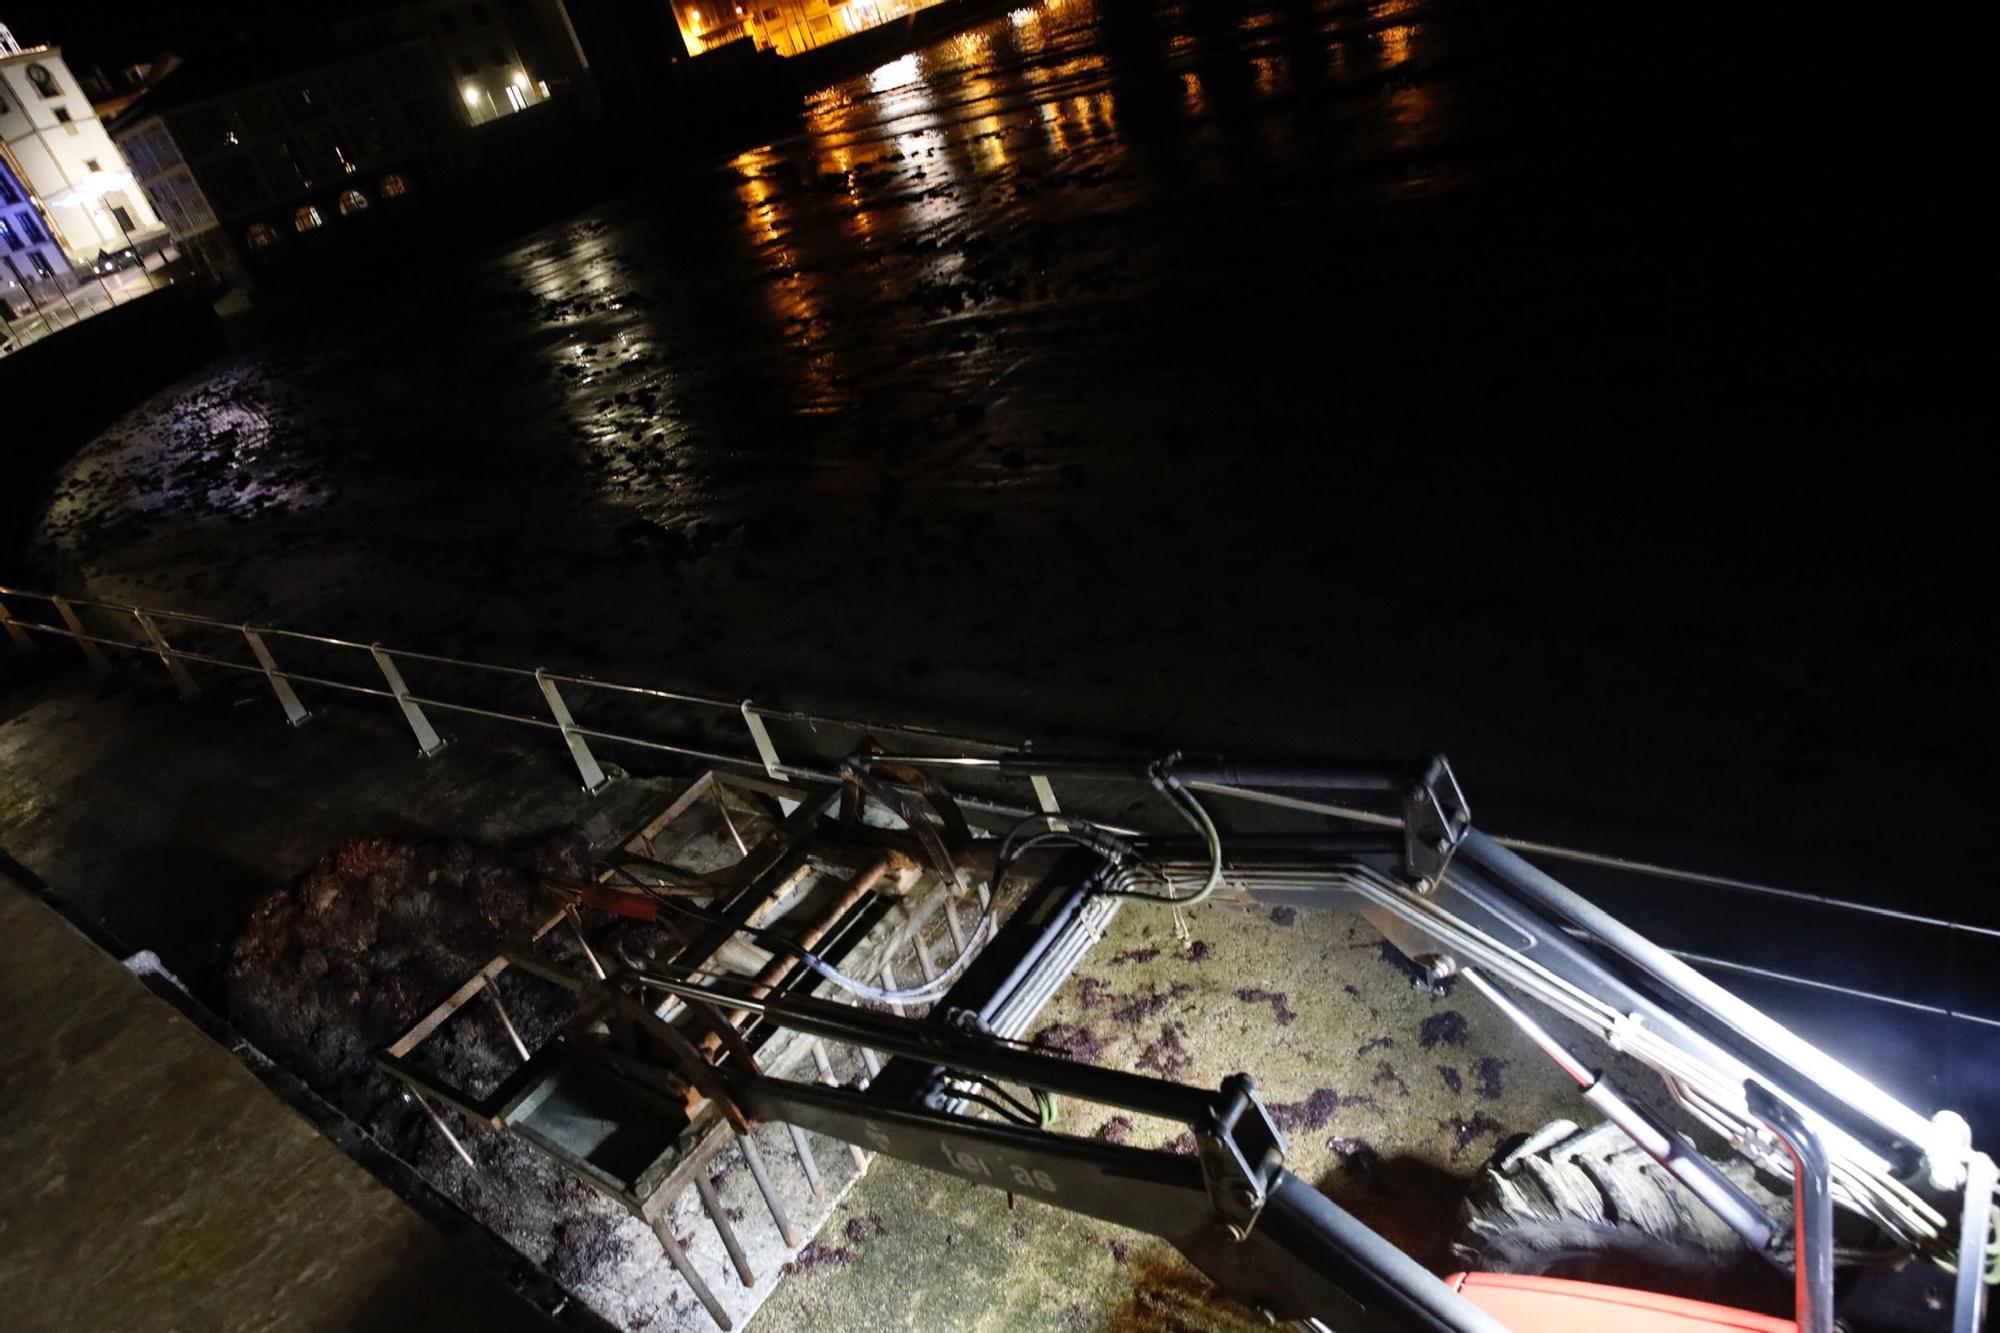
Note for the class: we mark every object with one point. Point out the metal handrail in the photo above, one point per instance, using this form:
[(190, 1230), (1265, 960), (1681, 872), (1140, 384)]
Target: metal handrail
[(754, 715)]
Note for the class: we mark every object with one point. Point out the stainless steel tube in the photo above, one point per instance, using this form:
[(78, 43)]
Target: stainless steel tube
[(1812, 1189)]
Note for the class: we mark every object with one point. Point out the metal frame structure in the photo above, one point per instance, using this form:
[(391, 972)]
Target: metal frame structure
[(598, 1099), (1453, 898), (1452, 902)]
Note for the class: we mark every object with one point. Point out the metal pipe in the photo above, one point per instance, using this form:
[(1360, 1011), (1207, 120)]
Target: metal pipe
[(755, 1161), (832, 1080), (576, 924), (1840, 1082), (1975, 1229), (1812, 1194), (807, 1162), (712, 1202), (664, 1229), (411, 1094), (1676, 1156), (492, 991)]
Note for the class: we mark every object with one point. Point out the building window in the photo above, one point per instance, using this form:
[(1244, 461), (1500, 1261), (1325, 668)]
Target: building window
[(308, 219), (45, 82), (394, 186), (8, 194), (62, 115), (123, 219), (3, 106), (352, 202), (261, 236), (516, 98), (33, 229), (7, 235), (90, 164), (42, 265)]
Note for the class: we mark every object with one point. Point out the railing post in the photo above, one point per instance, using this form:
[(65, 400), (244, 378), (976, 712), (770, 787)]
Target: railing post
[(295, 712), (594, 778), (1045, 795), (428, 741), (761, 738), (168, 657), (91, 652), (21, 638)]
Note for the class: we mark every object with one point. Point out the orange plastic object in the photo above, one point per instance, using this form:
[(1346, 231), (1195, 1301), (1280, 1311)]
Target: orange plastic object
[(1556, 1305)]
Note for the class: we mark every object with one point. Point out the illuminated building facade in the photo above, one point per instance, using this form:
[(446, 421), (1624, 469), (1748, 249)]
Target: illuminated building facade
[(788, 27), (31, 263), (477, 46), (59, 157)]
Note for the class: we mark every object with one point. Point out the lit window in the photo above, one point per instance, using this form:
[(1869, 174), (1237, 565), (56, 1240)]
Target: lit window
[(308, 219), (394, 186), (260, 236), (352, 202)]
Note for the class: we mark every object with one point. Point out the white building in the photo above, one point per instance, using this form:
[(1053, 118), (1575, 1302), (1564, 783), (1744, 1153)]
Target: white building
[(56, 146)]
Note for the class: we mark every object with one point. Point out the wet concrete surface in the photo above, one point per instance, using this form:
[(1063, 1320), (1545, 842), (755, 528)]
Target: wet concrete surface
[(153, 1184)]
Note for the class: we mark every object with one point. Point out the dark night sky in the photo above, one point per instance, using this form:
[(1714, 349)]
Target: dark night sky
[(117, 31)]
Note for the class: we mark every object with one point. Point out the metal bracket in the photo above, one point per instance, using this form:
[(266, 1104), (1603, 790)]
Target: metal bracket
[(761, 738), (91, 652), (168, 657), (1242, 1154), (20, 636), (594, 779), (288, 699), (428, 741), (1435, 820)]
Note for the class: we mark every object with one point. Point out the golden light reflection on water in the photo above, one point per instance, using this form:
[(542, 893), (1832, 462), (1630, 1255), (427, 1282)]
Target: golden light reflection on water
[(1395, 44), (1192, 95), (898, 167)]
